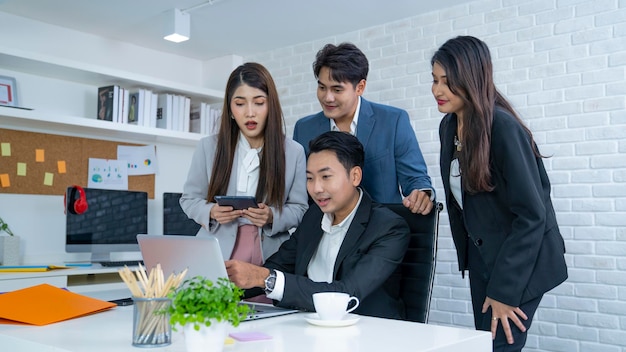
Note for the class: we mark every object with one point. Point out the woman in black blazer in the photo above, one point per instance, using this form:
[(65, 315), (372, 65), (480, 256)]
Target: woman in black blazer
[(497, 194)]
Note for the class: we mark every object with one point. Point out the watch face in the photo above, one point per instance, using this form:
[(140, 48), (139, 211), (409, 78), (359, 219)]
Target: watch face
[(270, 281)]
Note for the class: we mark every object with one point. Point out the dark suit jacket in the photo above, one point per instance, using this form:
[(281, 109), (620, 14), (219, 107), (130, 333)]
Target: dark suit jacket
[(514, 226), (392, 154), (373, 248)]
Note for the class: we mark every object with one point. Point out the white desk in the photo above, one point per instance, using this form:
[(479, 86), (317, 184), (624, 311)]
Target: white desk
[(112, 330)]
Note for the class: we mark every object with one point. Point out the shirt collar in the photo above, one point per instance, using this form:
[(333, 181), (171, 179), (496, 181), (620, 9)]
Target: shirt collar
[(353, 124), (327, 219)]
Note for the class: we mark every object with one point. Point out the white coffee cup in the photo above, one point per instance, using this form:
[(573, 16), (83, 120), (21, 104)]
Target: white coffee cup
[(333, 305)]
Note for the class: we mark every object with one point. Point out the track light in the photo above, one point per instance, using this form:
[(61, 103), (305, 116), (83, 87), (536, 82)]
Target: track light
[(178, 26)]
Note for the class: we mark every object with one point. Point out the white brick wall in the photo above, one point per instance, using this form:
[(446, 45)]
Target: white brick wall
[(562, 63)]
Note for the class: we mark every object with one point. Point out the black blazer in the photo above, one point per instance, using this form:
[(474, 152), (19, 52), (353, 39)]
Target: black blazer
[(514, 226), (373, 247)]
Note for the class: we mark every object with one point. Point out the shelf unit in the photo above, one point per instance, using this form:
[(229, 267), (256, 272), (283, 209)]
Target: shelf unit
[(79, 280), (76, 83), (39, 121), (96, 76)]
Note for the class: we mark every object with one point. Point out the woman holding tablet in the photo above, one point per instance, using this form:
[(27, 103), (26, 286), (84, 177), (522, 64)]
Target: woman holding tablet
[(250, 156)]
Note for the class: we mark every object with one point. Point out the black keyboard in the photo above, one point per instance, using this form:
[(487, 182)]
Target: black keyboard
[(122, 263)]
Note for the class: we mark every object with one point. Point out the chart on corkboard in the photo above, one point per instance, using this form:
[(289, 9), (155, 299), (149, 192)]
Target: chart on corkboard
[(42, 163)]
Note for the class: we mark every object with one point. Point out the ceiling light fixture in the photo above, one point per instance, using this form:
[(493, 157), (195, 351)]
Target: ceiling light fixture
[(178, 26)]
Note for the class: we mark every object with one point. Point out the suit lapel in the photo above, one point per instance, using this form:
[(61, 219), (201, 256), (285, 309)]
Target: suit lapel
[(323, 125), (313, 237), (447, 145), (355, 231), (232, 182), (365, 126)]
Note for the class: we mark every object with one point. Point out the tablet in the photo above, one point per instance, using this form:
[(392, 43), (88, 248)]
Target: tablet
[(237, 202)]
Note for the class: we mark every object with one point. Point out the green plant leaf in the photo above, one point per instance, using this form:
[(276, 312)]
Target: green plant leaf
[(4, 227), (199, 300)]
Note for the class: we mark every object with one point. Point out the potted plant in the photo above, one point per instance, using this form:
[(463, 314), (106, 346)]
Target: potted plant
[(206, 310), (9, 245)]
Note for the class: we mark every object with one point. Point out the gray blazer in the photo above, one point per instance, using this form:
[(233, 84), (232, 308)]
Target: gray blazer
[(193, 200)]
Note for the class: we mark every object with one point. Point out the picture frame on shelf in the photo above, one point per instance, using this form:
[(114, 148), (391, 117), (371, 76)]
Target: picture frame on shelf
[(8, 91)]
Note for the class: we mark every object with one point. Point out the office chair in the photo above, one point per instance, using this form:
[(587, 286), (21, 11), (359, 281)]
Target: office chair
[(417, 270), (175, 221)]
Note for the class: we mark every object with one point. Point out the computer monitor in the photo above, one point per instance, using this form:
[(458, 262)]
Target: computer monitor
[(110, 224), (175, 221)]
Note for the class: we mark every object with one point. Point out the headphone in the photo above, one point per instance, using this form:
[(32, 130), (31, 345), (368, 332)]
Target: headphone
[(76, 206)]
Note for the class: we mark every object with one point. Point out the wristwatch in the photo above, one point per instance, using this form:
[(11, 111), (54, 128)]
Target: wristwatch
[(270, 281)]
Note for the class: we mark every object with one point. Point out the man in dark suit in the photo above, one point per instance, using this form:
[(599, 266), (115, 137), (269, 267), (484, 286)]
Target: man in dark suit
[(345, 242), (394, 165)]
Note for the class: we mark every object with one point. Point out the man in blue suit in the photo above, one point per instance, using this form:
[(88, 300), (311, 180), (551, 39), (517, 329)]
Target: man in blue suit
[(394, 165)]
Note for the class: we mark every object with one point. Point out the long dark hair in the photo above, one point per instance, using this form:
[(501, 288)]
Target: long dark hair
[(271, 186), (469, 72)]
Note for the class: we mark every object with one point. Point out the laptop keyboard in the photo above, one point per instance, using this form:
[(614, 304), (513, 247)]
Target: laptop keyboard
[(260, 311), (122, 263)]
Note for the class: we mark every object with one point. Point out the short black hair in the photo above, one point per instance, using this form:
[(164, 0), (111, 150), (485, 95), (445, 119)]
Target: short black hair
[(347, 147), (346, 62)]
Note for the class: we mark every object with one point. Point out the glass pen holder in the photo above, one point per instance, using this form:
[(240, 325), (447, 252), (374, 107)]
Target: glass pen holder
[(151, 322)]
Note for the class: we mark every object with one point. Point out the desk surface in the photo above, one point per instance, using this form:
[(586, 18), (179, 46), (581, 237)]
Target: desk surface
[(112, 330)]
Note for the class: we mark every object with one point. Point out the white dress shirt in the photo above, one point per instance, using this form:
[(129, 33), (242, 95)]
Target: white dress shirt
[(353, 124), (248, 170), (455, 182)]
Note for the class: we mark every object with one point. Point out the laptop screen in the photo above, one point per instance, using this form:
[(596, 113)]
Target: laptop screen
[(200, 256)]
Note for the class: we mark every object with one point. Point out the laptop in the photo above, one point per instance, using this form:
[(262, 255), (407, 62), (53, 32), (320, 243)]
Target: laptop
[(200, 256)]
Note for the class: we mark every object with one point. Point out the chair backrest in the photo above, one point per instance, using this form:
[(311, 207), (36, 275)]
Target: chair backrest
[(418, 266)]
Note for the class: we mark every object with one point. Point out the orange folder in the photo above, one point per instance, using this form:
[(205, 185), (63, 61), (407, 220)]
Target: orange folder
[(45, 304)]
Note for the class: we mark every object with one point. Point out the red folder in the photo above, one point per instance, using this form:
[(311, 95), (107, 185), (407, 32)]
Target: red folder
[(45, 304)]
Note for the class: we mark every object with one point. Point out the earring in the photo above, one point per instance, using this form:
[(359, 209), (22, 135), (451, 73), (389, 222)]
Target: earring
[(232, 117)]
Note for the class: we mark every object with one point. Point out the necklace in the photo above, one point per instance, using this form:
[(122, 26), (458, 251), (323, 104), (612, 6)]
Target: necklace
[(458, 144)]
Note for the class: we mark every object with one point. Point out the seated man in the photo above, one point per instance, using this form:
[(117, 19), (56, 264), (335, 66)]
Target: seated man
[(345, 242)]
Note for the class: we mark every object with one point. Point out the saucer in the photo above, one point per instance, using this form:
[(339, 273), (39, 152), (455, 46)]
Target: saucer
[(349, 319)]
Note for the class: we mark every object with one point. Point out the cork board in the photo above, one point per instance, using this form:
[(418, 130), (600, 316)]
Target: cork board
[(41, 163)]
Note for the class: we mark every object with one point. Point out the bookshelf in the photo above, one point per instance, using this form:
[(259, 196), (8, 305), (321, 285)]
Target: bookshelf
[(82, 81), (62, 92)]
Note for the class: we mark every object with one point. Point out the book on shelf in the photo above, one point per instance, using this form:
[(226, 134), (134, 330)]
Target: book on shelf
[(133, 108), (204, 119), (180, 121), (108, 101), (175, 112), (124, 105), (195, 117), (147, 106), (120, 105), (187, 115), (154, 104), (165, 111), (215, 117)]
